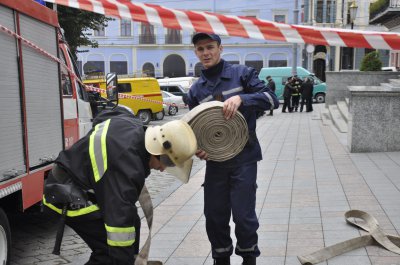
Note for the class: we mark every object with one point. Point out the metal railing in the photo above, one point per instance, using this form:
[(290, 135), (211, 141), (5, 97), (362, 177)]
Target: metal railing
[(381, 6), (394, 3), (173, 39), (147, 39)]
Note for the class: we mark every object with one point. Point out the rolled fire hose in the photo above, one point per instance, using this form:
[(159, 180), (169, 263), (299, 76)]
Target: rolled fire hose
[(369, 224), (147, 207), (221, 139)]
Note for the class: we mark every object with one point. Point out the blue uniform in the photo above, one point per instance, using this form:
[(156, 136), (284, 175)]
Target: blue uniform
[(230, 186)]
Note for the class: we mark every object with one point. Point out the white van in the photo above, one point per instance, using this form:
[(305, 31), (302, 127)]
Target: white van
[(185, 82)]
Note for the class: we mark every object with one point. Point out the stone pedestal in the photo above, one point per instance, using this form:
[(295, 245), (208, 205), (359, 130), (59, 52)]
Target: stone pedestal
[(337, 83), (374, 120)]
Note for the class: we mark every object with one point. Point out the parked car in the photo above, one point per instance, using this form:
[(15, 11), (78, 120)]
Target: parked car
[(176, 89), (185, 82), (172, 103)]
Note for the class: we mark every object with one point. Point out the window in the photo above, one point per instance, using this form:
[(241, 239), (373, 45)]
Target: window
[(277, 63), (65, 79), (280, 18), (124, 88), (174, 89), (119, 67), (173, 37), (255, 64), (329, 8), (94, 67), (79, 65), (285, 79), (100, 31), (147, 34), (148, 69), (126, 27)]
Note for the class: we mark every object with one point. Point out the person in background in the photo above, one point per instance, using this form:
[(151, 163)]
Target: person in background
[(230, 186), (296, 83), (306, 89), (287, 94), (271, 86)]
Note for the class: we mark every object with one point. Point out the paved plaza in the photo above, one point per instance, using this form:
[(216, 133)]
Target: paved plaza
[(306, 182)]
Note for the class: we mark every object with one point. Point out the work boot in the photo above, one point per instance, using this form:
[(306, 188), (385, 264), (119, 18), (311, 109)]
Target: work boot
[(249, 260), (222, 261)]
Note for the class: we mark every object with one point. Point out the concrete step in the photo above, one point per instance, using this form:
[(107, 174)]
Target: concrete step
[(337, 119), (344, 110), (326, 117), (386, 85), (395, 82)]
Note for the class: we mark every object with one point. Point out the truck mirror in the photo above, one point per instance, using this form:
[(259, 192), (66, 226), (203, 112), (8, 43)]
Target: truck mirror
[(112, 87)]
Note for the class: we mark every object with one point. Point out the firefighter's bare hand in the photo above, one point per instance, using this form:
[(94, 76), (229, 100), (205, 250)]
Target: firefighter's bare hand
[(231, 106), (202, 154)]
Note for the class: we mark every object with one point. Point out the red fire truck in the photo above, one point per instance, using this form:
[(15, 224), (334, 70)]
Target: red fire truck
[(43, 107)]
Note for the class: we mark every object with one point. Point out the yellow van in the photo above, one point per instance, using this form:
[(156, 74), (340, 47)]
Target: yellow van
[(150, 103)]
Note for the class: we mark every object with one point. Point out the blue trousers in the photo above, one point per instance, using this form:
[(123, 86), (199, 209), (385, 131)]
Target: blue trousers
[(231, 191)]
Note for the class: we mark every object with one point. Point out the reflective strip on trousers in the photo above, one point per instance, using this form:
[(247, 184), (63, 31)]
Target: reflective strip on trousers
[(98, 149), (120, 236), (72, 213), (251, 249), (223, 250)]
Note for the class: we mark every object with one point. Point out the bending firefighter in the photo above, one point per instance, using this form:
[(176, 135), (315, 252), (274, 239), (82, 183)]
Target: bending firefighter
[(99, 179), (230, 186)]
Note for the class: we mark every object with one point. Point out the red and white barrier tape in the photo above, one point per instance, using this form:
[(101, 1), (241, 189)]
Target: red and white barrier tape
[(236, 25)]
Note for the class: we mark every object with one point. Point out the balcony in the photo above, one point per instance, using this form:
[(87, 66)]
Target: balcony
[(147, 39), (173, 39), (385, 12)]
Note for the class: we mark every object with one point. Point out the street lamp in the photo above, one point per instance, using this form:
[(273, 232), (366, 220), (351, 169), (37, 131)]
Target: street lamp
[(353, 12)]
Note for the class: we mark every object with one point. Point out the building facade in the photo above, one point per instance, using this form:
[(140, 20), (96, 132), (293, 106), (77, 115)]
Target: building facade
[(337, 14), (128, 47), (387, 13)]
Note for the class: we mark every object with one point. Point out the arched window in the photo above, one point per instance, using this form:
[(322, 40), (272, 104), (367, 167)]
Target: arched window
[(277, 60), (254, 60), (231, 58), (94, 64), (118, 64), (148, 69), (174, 66)]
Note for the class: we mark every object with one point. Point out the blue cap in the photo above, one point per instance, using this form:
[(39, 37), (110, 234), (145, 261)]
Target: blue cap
[(201, 36)]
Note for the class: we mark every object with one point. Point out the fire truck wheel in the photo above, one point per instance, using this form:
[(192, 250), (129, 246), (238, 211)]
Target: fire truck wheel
[(5, 239)]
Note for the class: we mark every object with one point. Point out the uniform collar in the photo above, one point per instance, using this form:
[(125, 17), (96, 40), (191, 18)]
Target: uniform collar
[(225, 73)]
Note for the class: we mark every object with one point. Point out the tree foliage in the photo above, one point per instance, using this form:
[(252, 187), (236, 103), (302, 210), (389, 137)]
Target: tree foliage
[(371, 62), (75, 22)]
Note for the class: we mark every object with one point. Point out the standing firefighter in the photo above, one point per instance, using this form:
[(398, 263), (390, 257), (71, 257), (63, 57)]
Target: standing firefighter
[(230, 186), (296, 84), (272, 87), (99, 179)]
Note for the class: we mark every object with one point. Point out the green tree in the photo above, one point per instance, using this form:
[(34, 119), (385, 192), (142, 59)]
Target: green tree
[(371, 62), (75, 22)]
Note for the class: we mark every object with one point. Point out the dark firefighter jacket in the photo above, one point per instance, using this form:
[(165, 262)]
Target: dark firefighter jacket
[(110, 161), (229, 81)]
